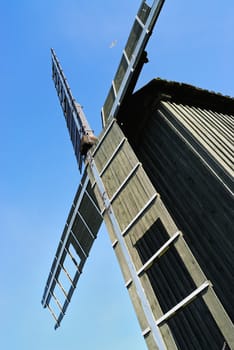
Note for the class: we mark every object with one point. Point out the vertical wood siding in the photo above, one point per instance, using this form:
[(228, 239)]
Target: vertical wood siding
[(178, 152)]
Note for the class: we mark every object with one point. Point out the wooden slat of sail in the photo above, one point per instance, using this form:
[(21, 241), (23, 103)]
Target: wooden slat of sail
[(80, 231)]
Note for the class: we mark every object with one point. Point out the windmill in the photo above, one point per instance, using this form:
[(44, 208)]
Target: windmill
[(115, 188)]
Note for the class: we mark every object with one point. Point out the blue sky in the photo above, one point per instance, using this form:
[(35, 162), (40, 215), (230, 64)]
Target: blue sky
[(193, 42)]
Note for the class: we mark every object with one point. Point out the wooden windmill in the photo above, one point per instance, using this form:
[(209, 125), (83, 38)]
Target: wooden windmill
[(116, 188)]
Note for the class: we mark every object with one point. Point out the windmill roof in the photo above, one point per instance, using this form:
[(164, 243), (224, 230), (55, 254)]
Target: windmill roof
[(188, 94), (159, 89)]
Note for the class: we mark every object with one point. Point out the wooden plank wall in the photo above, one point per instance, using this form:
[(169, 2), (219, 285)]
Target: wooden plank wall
[(199, 202)]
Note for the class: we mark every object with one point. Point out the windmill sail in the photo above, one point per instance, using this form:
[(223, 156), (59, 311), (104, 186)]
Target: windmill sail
[(132, 59), (79, 233), (84, 219), (80, 132)]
